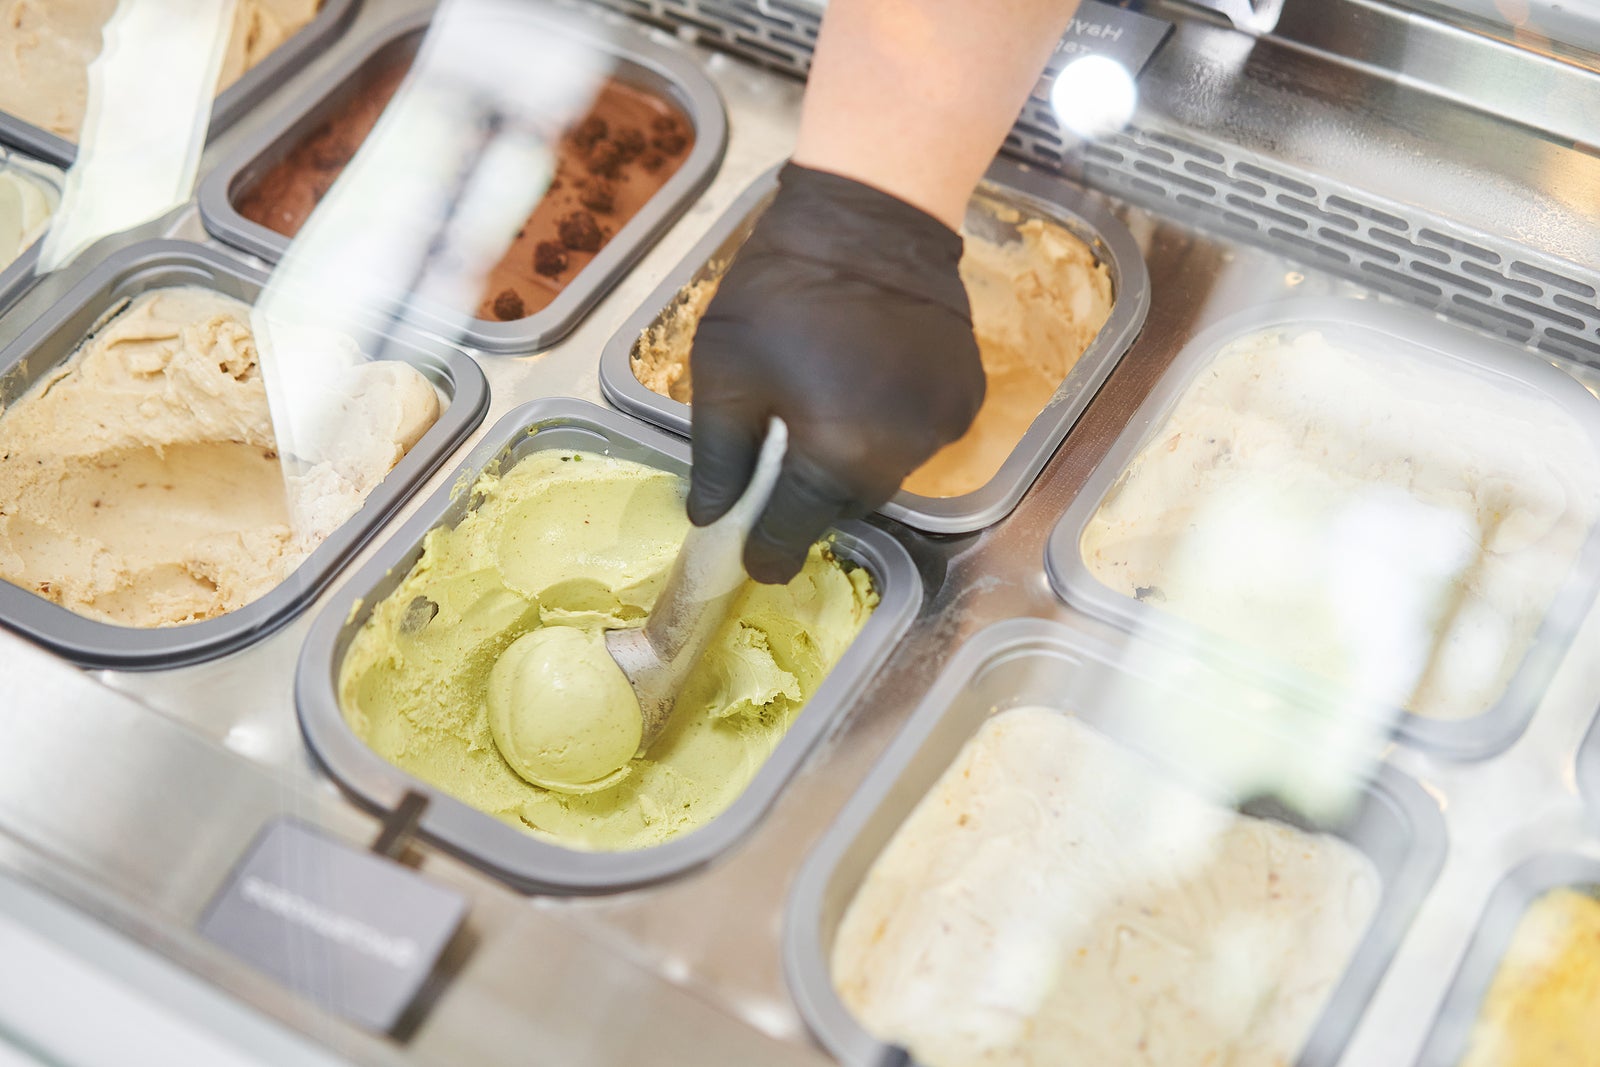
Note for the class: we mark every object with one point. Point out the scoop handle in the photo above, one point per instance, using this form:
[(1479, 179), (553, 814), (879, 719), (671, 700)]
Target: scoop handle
[(706, 576)]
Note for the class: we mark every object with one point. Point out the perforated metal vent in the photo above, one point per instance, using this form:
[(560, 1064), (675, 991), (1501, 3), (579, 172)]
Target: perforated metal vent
[(1415, 255), (1491, 283), (770, 32)]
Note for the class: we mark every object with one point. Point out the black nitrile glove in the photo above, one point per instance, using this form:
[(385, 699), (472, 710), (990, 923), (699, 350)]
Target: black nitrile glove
[(843, 314)]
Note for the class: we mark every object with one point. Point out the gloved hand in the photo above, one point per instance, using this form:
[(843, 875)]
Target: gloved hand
[(844, 314)]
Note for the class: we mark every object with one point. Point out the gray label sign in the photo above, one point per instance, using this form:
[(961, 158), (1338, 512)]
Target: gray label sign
[(1118, 33), (353, 932)]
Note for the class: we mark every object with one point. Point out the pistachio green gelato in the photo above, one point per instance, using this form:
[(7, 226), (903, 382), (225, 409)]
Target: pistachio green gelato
[(561, 711), (585, 540)]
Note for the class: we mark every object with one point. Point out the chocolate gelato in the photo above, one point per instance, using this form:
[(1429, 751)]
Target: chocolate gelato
[(609, 166)]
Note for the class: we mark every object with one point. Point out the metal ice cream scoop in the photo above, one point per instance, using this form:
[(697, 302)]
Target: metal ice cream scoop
[(693, 605)]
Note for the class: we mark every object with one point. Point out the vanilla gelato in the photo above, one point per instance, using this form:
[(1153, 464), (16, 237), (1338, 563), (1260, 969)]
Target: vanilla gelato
[(1055, 899), (27, 200), (1380, 519), (140, 482), (1037, 304), (46, 47)]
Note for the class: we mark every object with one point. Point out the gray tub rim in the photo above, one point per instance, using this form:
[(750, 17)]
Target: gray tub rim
[(1034, 191), (669, 72), (805, 958), (1476, 738), (519, 859), (92, 643)]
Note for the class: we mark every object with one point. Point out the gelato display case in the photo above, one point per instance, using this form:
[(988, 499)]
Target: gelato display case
[(1237, 700)]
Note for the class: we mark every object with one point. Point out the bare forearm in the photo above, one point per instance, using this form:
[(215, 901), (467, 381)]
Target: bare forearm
[(914, 97)]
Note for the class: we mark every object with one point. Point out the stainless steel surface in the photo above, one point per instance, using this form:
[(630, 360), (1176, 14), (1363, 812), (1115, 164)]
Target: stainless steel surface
[(1439, 54), (128, 814), (1032, 662), (522, 859), (101, 288), (1553, 27), (693, 604), (1011, 194)]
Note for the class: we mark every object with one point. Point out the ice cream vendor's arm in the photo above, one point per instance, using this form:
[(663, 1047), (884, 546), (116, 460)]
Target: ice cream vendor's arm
[(844, 312)]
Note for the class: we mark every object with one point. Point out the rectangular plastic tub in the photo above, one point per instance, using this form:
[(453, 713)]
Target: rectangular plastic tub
[(639, 62), (1397, 333), (238, 98), (1008, 185), (502, 850), (1452, 1028), (16, 276), (1026, 662), (58, 333)]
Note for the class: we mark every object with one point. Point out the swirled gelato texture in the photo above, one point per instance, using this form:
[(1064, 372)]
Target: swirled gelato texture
[(586, 540), (1388, 522), (1055, 899), (140, 482)]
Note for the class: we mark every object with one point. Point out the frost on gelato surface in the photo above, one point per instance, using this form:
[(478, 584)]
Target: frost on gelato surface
[(1037, 304), (1540, 1010), (1378, 519), (1054, 899), (579, 539), (140, 481), (47, 46)]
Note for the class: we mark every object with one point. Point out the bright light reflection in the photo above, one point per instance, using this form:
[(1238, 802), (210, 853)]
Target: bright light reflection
[(1094, 96)]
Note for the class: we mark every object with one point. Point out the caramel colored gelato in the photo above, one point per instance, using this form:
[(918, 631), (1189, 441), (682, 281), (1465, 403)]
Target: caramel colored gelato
[(1056, 899), (1540, 1010), (46, 47), (1037, 304), (140, 482)]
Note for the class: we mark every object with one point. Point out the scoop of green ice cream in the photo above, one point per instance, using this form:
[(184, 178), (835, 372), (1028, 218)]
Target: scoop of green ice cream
[(561, 711)]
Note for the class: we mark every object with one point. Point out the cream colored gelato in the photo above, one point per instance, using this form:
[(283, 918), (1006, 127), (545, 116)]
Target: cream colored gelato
[(46, 47), (1372, 517), (27, 201), (140, 482), (1037, 304), (567, 540), (1055, 899)]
